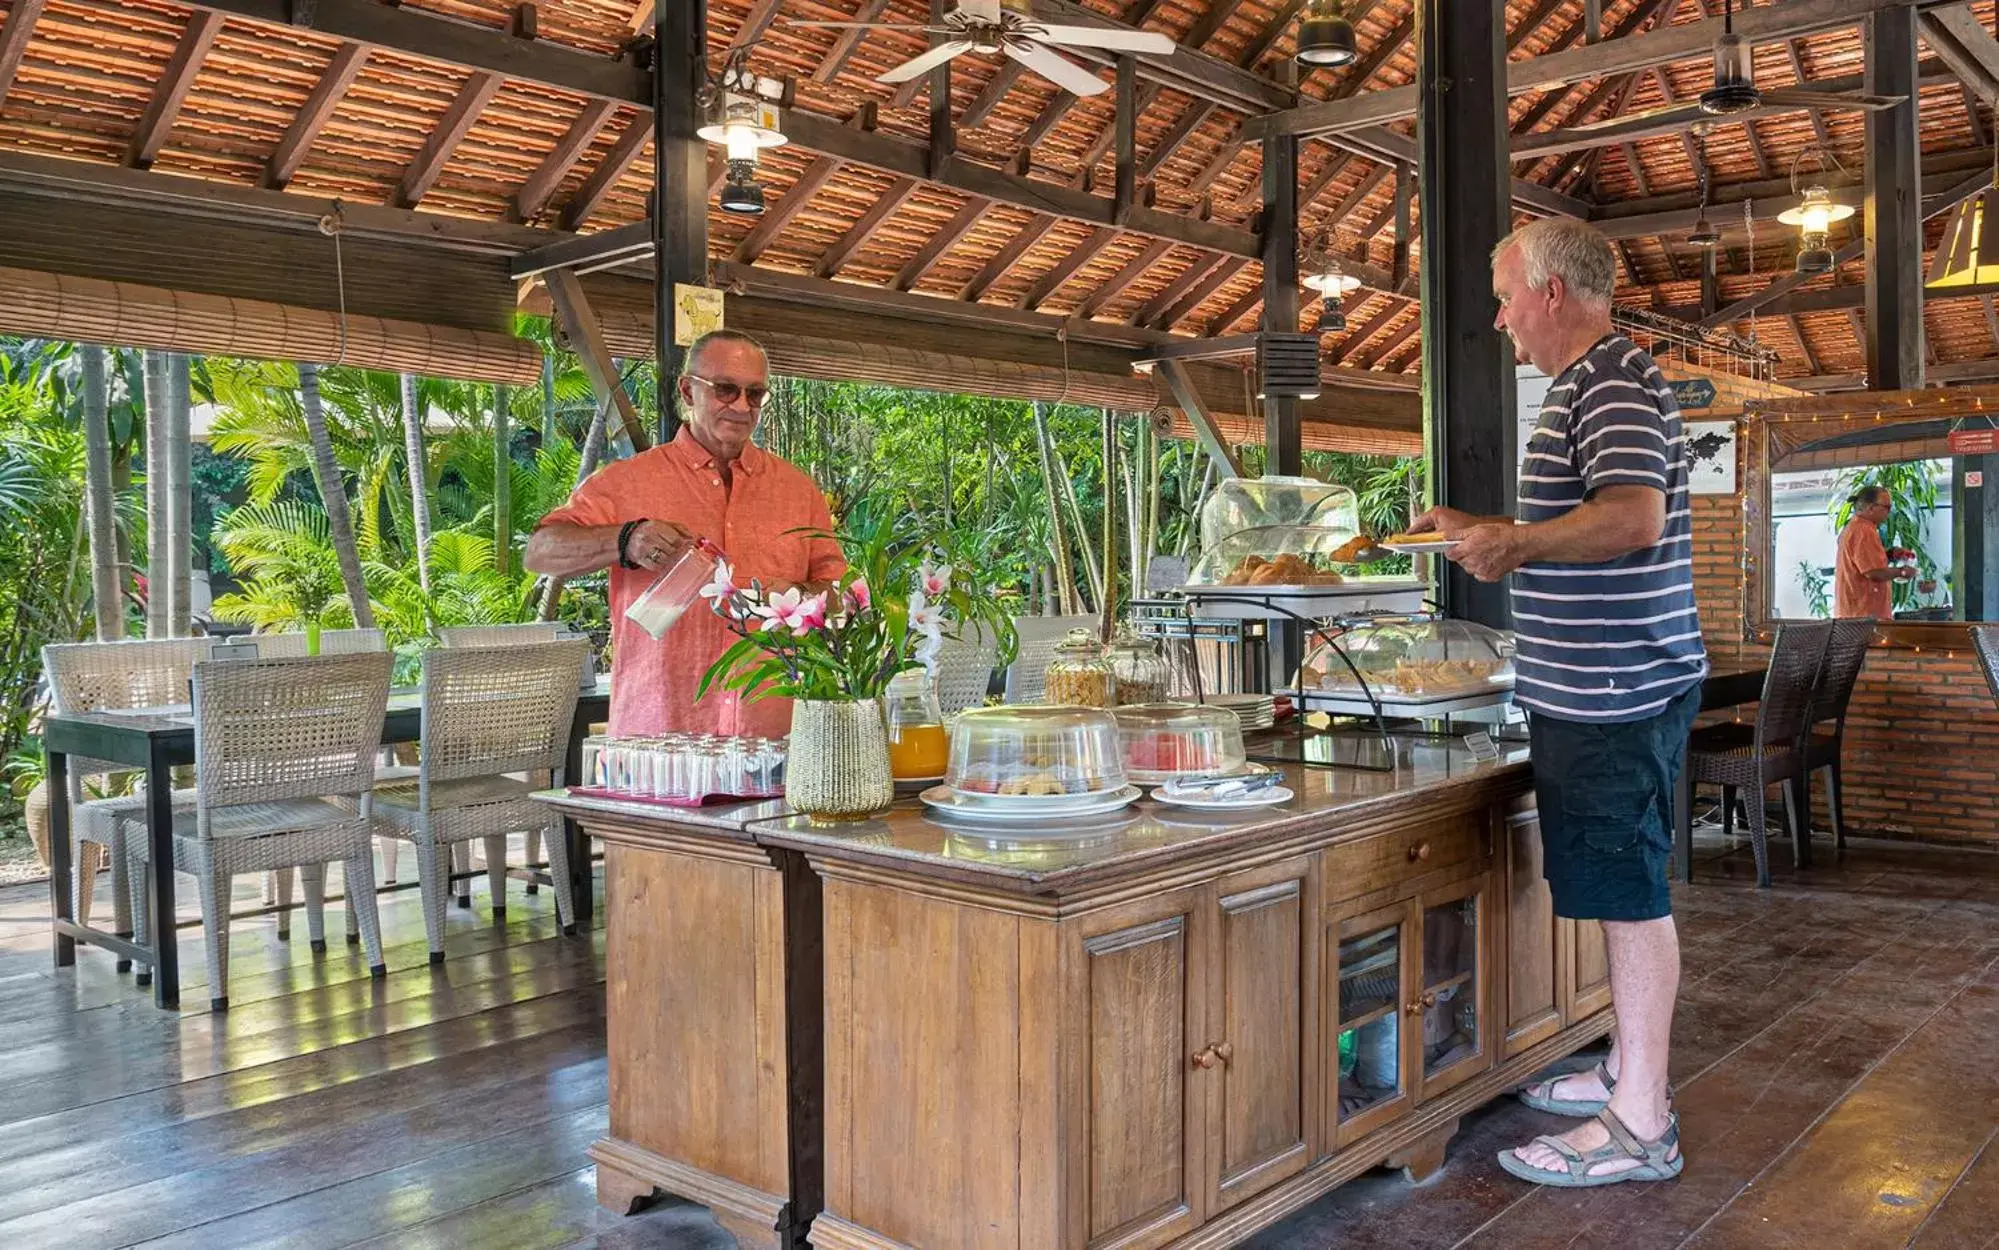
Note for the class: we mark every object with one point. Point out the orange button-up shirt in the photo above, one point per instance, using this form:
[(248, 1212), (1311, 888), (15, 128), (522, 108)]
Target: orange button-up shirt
[(1853, 592), (752, 520)]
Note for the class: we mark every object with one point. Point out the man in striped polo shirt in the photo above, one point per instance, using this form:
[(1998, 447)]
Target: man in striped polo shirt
[(1609, 666)]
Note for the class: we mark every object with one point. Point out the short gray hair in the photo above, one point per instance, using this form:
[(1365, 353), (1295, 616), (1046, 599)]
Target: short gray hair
[(713, 337), (1565, 248)]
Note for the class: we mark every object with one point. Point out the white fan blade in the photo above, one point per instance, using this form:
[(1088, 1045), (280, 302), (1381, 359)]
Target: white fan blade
[(1061, 71), (927, 62), (1149, 42), (942, 30), (1828, 100)]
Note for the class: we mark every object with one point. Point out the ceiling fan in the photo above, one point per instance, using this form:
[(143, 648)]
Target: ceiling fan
[(1008, 26), (1734, 90)]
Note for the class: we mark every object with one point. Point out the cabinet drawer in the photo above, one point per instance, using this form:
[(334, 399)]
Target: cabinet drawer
[(1388, 859)]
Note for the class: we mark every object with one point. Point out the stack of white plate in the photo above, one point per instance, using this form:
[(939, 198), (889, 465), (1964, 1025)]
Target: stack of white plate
[(1050, 809), (1257, 711)]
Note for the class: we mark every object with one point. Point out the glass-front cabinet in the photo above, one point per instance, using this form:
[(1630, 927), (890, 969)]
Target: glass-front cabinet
[(1407, 1004)]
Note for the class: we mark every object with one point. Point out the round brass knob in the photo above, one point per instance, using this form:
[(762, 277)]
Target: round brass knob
[(1419, 851), (1225, 1051), (1205, 1057)]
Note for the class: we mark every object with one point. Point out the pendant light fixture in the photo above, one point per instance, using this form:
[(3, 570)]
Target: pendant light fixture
[(1814, 214), (1969, 253), (1333, 284), (742, 124), (1704, 234), (1325, 36)]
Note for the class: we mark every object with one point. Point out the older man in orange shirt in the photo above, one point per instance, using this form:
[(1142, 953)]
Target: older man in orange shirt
[(637, 516), (1862, 576)]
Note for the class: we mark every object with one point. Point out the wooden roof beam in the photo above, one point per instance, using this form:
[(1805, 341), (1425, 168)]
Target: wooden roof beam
[(314, 113), (1082, 254), (477, 92), (779, 215), (1357, 337), (991, 94), (612, 170), (941, 242), (845, 41), (1003, 260), (884, 206), (1217, 278), (1664, 46), (1964, 44), (1251, 300), (1115, 285), (534, 194), (171, 90), (21, 19), (1188, 278)]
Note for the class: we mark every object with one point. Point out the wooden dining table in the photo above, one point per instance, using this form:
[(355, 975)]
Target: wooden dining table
[(157, 740), (1731, 685)]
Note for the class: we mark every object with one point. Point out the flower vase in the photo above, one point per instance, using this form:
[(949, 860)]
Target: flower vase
[(838, 767), (312, 637)]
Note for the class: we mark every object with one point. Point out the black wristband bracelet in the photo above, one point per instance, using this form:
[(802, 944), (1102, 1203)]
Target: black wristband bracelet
[(625, 537)]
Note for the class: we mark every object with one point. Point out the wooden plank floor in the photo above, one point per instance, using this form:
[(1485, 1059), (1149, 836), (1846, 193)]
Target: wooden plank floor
[(1837, 1055)]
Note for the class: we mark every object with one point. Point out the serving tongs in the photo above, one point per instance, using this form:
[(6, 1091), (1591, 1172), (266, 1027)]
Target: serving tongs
[(1230, 787)]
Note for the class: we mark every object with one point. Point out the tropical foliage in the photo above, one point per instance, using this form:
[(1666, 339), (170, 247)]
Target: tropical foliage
[(1913, 484)]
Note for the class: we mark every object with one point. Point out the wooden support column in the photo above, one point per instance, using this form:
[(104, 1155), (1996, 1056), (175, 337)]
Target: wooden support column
[(1126, 139), (586, 338), (943, 138), (680, 182), (1710, 283), (1281, 432), (1468, 396), (1893, 212), (1188, 396)]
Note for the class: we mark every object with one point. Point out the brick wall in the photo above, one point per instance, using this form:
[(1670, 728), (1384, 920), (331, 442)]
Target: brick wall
[(1922, 738)]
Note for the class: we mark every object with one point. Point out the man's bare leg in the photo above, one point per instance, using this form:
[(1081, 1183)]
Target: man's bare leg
[(1644, 982)]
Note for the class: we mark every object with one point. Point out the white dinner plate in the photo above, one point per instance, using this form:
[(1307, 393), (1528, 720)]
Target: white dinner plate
[(1033, 802), (945, 799), (1258, 798)]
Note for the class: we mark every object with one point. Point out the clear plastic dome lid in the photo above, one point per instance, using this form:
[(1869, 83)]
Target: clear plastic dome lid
[(1245, 503), (1164, 741), (1280, 555), (1035, 751), (1413, 659)]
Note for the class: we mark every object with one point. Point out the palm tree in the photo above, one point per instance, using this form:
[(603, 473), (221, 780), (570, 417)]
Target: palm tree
[(106, 581), (333, 493)]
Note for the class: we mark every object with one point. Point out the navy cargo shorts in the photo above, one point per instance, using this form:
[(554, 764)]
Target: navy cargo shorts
[(1606, 797)]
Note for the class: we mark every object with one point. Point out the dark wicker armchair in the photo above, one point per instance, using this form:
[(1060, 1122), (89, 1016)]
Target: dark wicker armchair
[(1845, 656), (1985, 639), (1774, 754)]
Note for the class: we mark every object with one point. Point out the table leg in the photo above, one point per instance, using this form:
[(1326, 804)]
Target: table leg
[(60, 870), (581, 878), (160, 840)]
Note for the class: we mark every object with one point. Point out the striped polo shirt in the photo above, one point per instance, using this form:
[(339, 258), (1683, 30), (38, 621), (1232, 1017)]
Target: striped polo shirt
[(1620, 640)]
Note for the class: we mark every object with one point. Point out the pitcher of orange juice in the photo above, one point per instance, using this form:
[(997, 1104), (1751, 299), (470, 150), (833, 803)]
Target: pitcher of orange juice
[(918, 748)]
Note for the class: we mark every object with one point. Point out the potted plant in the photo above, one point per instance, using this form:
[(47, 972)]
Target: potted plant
[(833, 652)]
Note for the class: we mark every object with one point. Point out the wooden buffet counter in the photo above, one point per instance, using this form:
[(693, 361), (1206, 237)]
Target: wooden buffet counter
[(1165, 1028)]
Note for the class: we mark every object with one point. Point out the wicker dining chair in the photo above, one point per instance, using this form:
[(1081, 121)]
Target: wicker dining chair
[(284, 761), (1027, 676), (104, 676), (1770, 754), (291, 646), (1845, 656), (499, 635), (965, 670), (487, 712)]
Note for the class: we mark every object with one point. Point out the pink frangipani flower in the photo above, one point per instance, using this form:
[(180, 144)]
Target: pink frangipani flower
[(723, 586), (858, 594), (933, 579)]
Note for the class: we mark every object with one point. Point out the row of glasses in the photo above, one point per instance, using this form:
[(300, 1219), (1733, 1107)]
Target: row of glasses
[(685, 768)]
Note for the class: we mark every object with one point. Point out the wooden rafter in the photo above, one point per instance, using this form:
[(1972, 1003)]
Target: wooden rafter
[(1107, 136), (941, 242), (991, 94), (534, 194), (1003, 260), (1804, 345), (1358, 336), (1192, 300), (20, 24), (845, 41), (313, 115), (1114, 286), (1388, 346), (176, 80), (863, 228), (609, 172), (1251, 300), (1152, 309), (777, 216), (1215, 17), (1082, 254), (422, 173)]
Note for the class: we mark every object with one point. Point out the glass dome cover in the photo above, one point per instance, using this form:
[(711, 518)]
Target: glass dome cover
[(1411, 659), (1035, 752), (1280, 555), (1243, 503), (1165, 741)]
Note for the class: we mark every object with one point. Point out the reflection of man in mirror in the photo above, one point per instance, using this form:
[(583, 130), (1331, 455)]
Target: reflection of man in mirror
[(1862, 578)]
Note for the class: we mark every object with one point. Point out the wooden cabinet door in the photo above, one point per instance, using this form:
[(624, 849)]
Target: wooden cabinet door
[(1262, 1055), (1371, 961), (1587, 990), (1136, 989), (1534, 954), (1452, 1033)]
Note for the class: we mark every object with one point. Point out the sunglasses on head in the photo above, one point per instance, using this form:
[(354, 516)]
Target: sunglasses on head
[(727, 393)]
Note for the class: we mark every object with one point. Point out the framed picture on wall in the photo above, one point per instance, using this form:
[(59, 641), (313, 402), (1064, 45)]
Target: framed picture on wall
[(1711, 457)]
